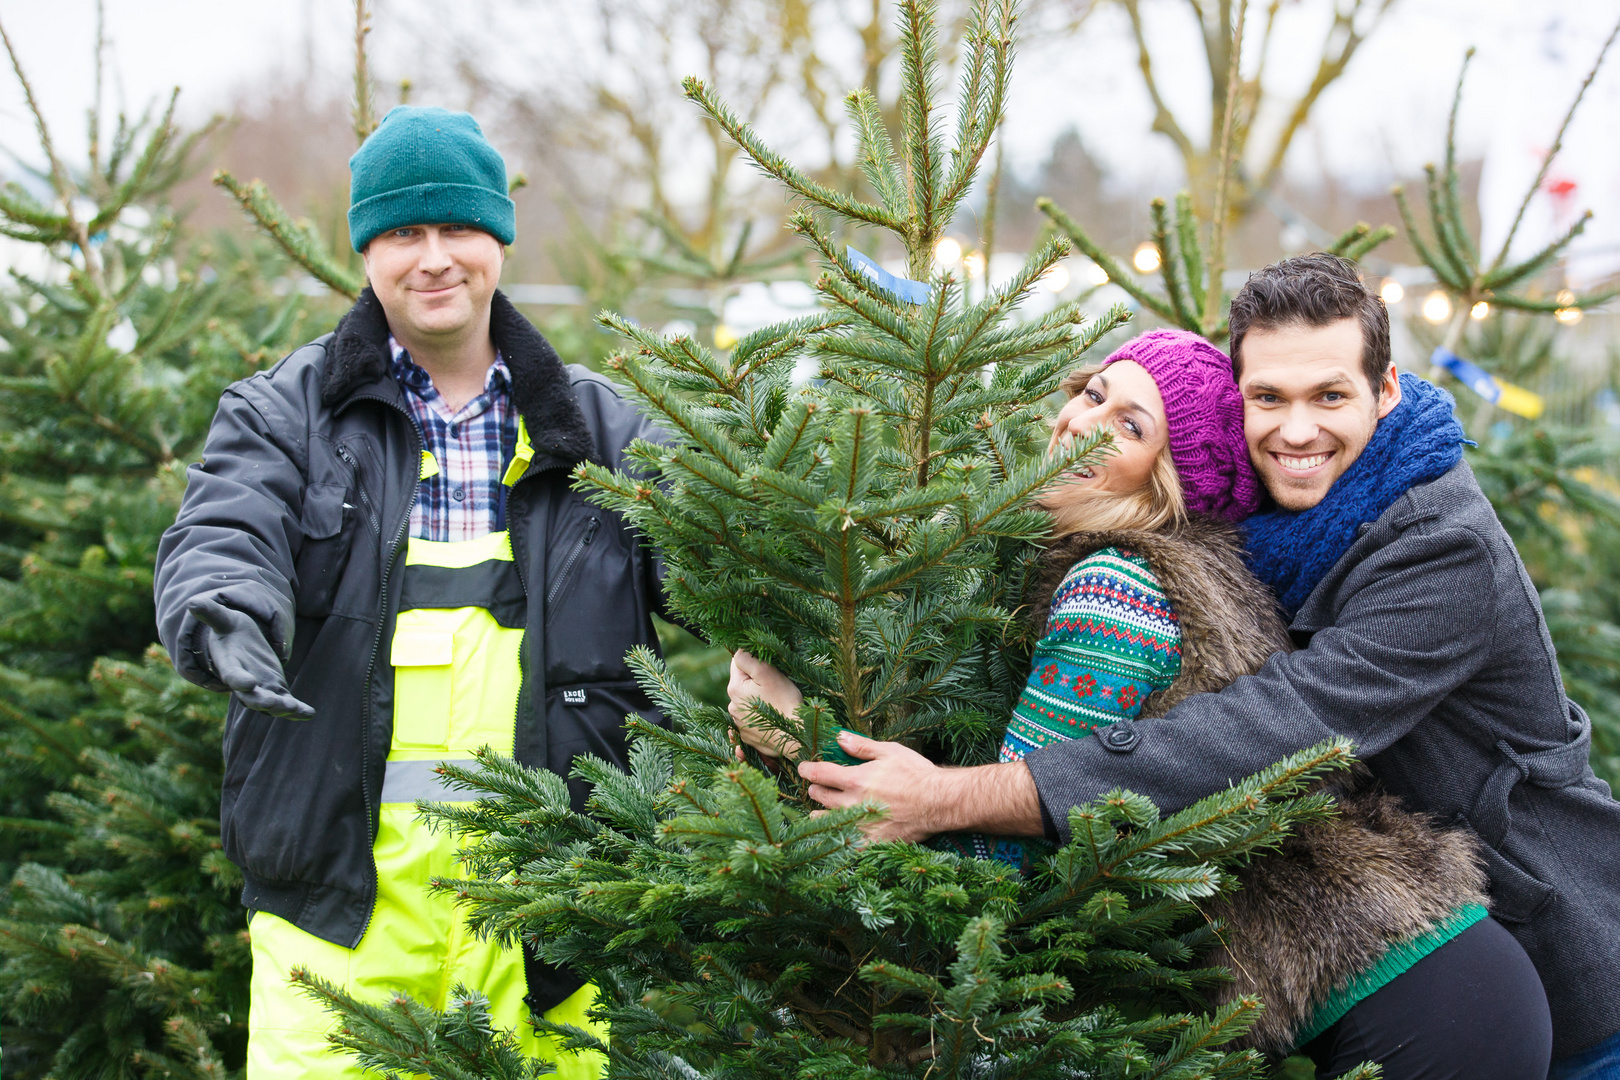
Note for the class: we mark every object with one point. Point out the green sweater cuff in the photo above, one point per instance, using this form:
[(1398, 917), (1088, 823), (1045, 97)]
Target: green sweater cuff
[(1400, 957)]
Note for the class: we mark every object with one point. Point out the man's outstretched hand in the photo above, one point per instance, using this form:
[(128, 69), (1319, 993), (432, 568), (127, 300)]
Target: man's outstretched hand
[(923, 799), (234, 646)]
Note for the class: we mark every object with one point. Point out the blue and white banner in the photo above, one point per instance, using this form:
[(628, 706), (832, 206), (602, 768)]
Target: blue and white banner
[(911, 292)]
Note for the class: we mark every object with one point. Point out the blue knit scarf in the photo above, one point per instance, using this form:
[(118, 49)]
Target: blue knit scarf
[(1420, 440)]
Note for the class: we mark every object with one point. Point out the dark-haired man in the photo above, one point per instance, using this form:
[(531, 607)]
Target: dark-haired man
[(1422, 640), (382, 557)]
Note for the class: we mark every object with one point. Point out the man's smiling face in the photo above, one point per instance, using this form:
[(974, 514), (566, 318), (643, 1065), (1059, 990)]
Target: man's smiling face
[(434, 281), (1308, 410)]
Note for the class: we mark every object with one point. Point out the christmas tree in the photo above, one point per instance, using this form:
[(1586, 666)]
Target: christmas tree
[(867, 529), (122, 948)]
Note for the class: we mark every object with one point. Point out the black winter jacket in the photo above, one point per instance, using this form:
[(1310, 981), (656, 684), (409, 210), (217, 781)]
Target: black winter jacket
[(298, 514), (1426, 645)]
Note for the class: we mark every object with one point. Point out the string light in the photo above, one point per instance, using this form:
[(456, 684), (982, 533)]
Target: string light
[(1391, 292), (1479, 311), (1056, 279), (1567, 312), (1146, 259), (948, 252), (973, 264), (1437, 307), (1096, 275)]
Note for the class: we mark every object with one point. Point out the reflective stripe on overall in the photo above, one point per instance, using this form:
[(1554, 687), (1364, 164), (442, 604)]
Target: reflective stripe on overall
[(456, 680)]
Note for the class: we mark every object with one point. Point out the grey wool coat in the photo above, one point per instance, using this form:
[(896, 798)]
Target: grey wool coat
[(1425, 645)]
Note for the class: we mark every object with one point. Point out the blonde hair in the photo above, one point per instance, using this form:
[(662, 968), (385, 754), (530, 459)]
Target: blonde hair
[(1154, 505)]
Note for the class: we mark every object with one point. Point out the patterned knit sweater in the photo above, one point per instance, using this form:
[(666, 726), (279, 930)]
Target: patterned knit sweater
[(1111, 640)]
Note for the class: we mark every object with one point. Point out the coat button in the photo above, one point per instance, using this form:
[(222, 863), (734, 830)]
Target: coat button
[(458, 494), (1121, 737)]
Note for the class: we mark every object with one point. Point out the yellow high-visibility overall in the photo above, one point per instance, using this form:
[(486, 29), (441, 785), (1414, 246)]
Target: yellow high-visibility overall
[(456, 680)]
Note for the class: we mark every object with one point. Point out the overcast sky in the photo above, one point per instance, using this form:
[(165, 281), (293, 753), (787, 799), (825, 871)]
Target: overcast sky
[(1386, 116)]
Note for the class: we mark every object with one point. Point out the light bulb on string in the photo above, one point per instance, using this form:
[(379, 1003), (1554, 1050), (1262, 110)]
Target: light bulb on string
[(1391, 292), (1146, 259), (1437, 307), (1567, 312), (973, 263), (1096, 275), (948, 252), (1479, 311), (1056, 279)]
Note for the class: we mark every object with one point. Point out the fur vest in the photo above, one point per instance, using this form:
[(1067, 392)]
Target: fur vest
[(1328, 903)]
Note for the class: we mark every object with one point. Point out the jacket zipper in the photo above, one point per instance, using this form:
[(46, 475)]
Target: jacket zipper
[(569, 563), (365, 500), (376, 650)]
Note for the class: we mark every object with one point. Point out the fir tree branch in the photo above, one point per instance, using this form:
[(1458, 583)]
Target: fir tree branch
[(1115, 272), (1446, 229), (1192, 258), (298, 239), (153, 158), (66, 189), (1167, 264), (1441, 268), (922, 149), (1355, 242), (1453, 190), (875, 151), (982, 102), (774, 165), (1513, 274)]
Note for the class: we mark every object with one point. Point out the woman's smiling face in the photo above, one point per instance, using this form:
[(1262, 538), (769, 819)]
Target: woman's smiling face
[(1122, 399)]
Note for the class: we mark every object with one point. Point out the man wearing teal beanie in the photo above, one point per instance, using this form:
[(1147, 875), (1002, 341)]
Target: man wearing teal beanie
[(382, 559)]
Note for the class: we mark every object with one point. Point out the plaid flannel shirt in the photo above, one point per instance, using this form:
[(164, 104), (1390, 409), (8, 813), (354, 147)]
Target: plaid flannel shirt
[(472, 446)]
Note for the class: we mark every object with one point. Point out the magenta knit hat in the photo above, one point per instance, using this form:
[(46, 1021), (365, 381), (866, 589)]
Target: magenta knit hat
[(1205, 415)]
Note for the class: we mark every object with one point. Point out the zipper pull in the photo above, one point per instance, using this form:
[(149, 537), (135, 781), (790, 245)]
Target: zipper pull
[(590, 529)]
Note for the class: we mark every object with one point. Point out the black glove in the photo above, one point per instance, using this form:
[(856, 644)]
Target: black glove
[(234, 648)]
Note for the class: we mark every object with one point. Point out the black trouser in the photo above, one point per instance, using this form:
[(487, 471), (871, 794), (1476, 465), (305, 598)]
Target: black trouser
[(1473, 1009)]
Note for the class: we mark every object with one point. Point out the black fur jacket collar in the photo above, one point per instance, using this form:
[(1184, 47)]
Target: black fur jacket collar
[(1330, 901), (357, 356)]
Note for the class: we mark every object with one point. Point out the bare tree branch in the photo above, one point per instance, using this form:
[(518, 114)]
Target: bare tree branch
[(1343, 39), (1552, 151), (1214, 296), (365, 119), (1164, 121)]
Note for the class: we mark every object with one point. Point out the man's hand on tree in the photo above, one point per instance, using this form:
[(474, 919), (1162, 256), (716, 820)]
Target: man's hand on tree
[(234, 647), (921, 798), (752, 679), (896, 777)]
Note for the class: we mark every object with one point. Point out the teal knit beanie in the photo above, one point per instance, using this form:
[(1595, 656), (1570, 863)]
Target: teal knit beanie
[(425, 166)]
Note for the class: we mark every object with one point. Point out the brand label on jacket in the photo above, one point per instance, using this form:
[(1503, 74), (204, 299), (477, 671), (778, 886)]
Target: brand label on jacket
[(575, 697)]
